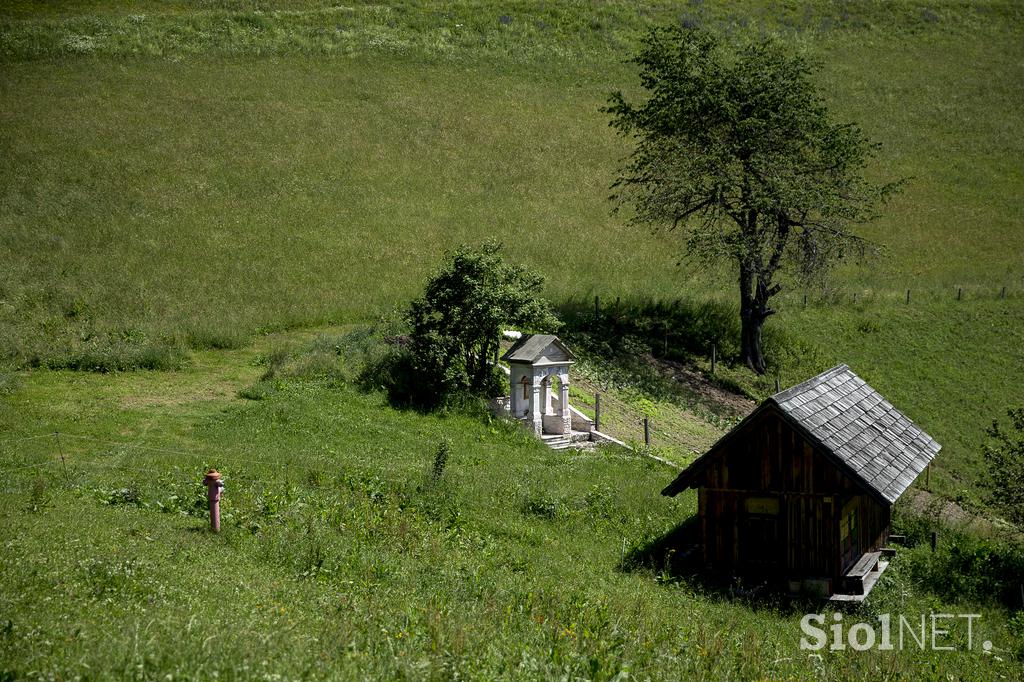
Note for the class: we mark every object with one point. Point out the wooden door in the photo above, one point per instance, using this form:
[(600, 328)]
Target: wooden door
[(761, 541)]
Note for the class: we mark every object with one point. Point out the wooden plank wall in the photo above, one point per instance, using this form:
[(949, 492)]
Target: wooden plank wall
[(810, 535), (771, 459)]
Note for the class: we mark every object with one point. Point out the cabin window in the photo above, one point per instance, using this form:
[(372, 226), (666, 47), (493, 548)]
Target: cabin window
[(763, 505)]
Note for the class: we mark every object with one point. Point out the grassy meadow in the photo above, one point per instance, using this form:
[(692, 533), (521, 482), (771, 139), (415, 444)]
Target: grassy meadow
[(343, 556), (184, 185)]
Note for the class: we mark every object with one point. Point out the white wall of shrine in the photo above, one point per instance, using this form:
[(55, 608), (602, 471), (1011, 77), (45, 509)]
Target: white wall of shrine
[(534, 399)]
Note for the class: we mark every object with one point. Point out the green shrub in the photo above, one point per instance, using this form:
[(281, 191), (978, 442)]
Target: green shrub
[(455, 327), (968, 567), (1004, 459), (393, 371)]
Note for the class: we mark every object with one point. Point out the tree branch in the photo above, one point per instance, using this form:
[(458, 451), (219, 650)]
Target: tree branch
[(679, 217)]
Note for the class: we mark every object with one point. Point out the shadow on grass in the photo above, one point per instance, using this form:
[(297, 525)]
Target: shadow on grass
[(675, 330), (684, 330), (406, 389), (676, 557)]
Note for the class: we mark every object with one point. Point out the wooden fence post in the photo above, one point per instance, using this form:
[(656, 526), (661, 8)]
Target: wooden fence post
[(597, 306), (959, 292), (714, 353), (908, 296), (935, 539), (647, 431), (1002, 294), (597, 411), (60, 449)]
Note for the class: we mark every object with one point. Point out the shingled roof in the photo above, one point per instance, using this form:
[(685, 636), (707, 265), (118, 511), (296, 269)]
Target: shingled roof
[(531, 349), (851, 421)]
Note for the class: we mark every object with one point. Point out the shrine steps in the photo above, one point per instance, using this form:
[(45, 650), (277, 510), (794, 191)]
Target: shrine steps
[(577, 439)]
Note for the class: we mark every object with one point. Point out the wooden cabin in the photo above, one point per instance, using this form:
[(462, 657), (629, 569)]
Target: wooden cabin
[(799, 494)]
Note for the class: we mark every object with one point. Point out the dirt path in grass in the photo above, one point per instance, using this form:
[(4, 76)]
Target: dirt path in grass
[(693, 381)]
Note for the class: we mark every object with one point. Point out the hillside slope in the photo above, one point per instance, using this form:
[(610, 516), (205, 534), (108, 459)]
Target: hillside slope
[(343, 556), (178, 175)]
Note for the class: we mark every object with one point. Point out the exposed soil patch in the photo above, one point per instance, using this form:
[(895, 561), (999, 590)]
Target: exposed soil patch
[(716, 397), (949, 512)]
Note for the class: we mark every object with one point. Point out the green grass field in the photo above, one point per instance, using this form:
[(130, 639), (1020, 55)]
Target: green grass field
[(179, 180), (341, 556)]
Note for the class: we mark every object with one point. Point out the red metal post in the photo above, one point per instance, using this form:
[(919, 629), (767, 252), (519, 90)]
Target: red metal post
[(214, 487)]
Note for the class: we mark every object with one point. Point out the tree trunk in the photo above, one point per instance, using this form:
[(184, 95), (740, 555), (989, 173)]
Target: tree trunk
[(750, 339), (480, 368), (476, 362), (753, 312)]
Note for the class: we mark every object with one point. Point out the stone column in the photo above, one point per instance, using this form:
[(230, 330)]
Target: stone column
[(563, 400), (535, 407)]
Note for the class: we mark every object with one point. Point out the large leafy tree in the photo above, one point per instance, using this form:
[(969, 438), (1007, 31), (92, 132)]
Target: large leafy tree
[(1004, 462), (457, 323), (736, 149)]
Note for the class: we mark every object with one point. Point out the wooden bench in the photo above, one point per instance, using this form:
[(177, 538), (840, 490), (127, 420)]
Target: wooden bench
[(853, 579)]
